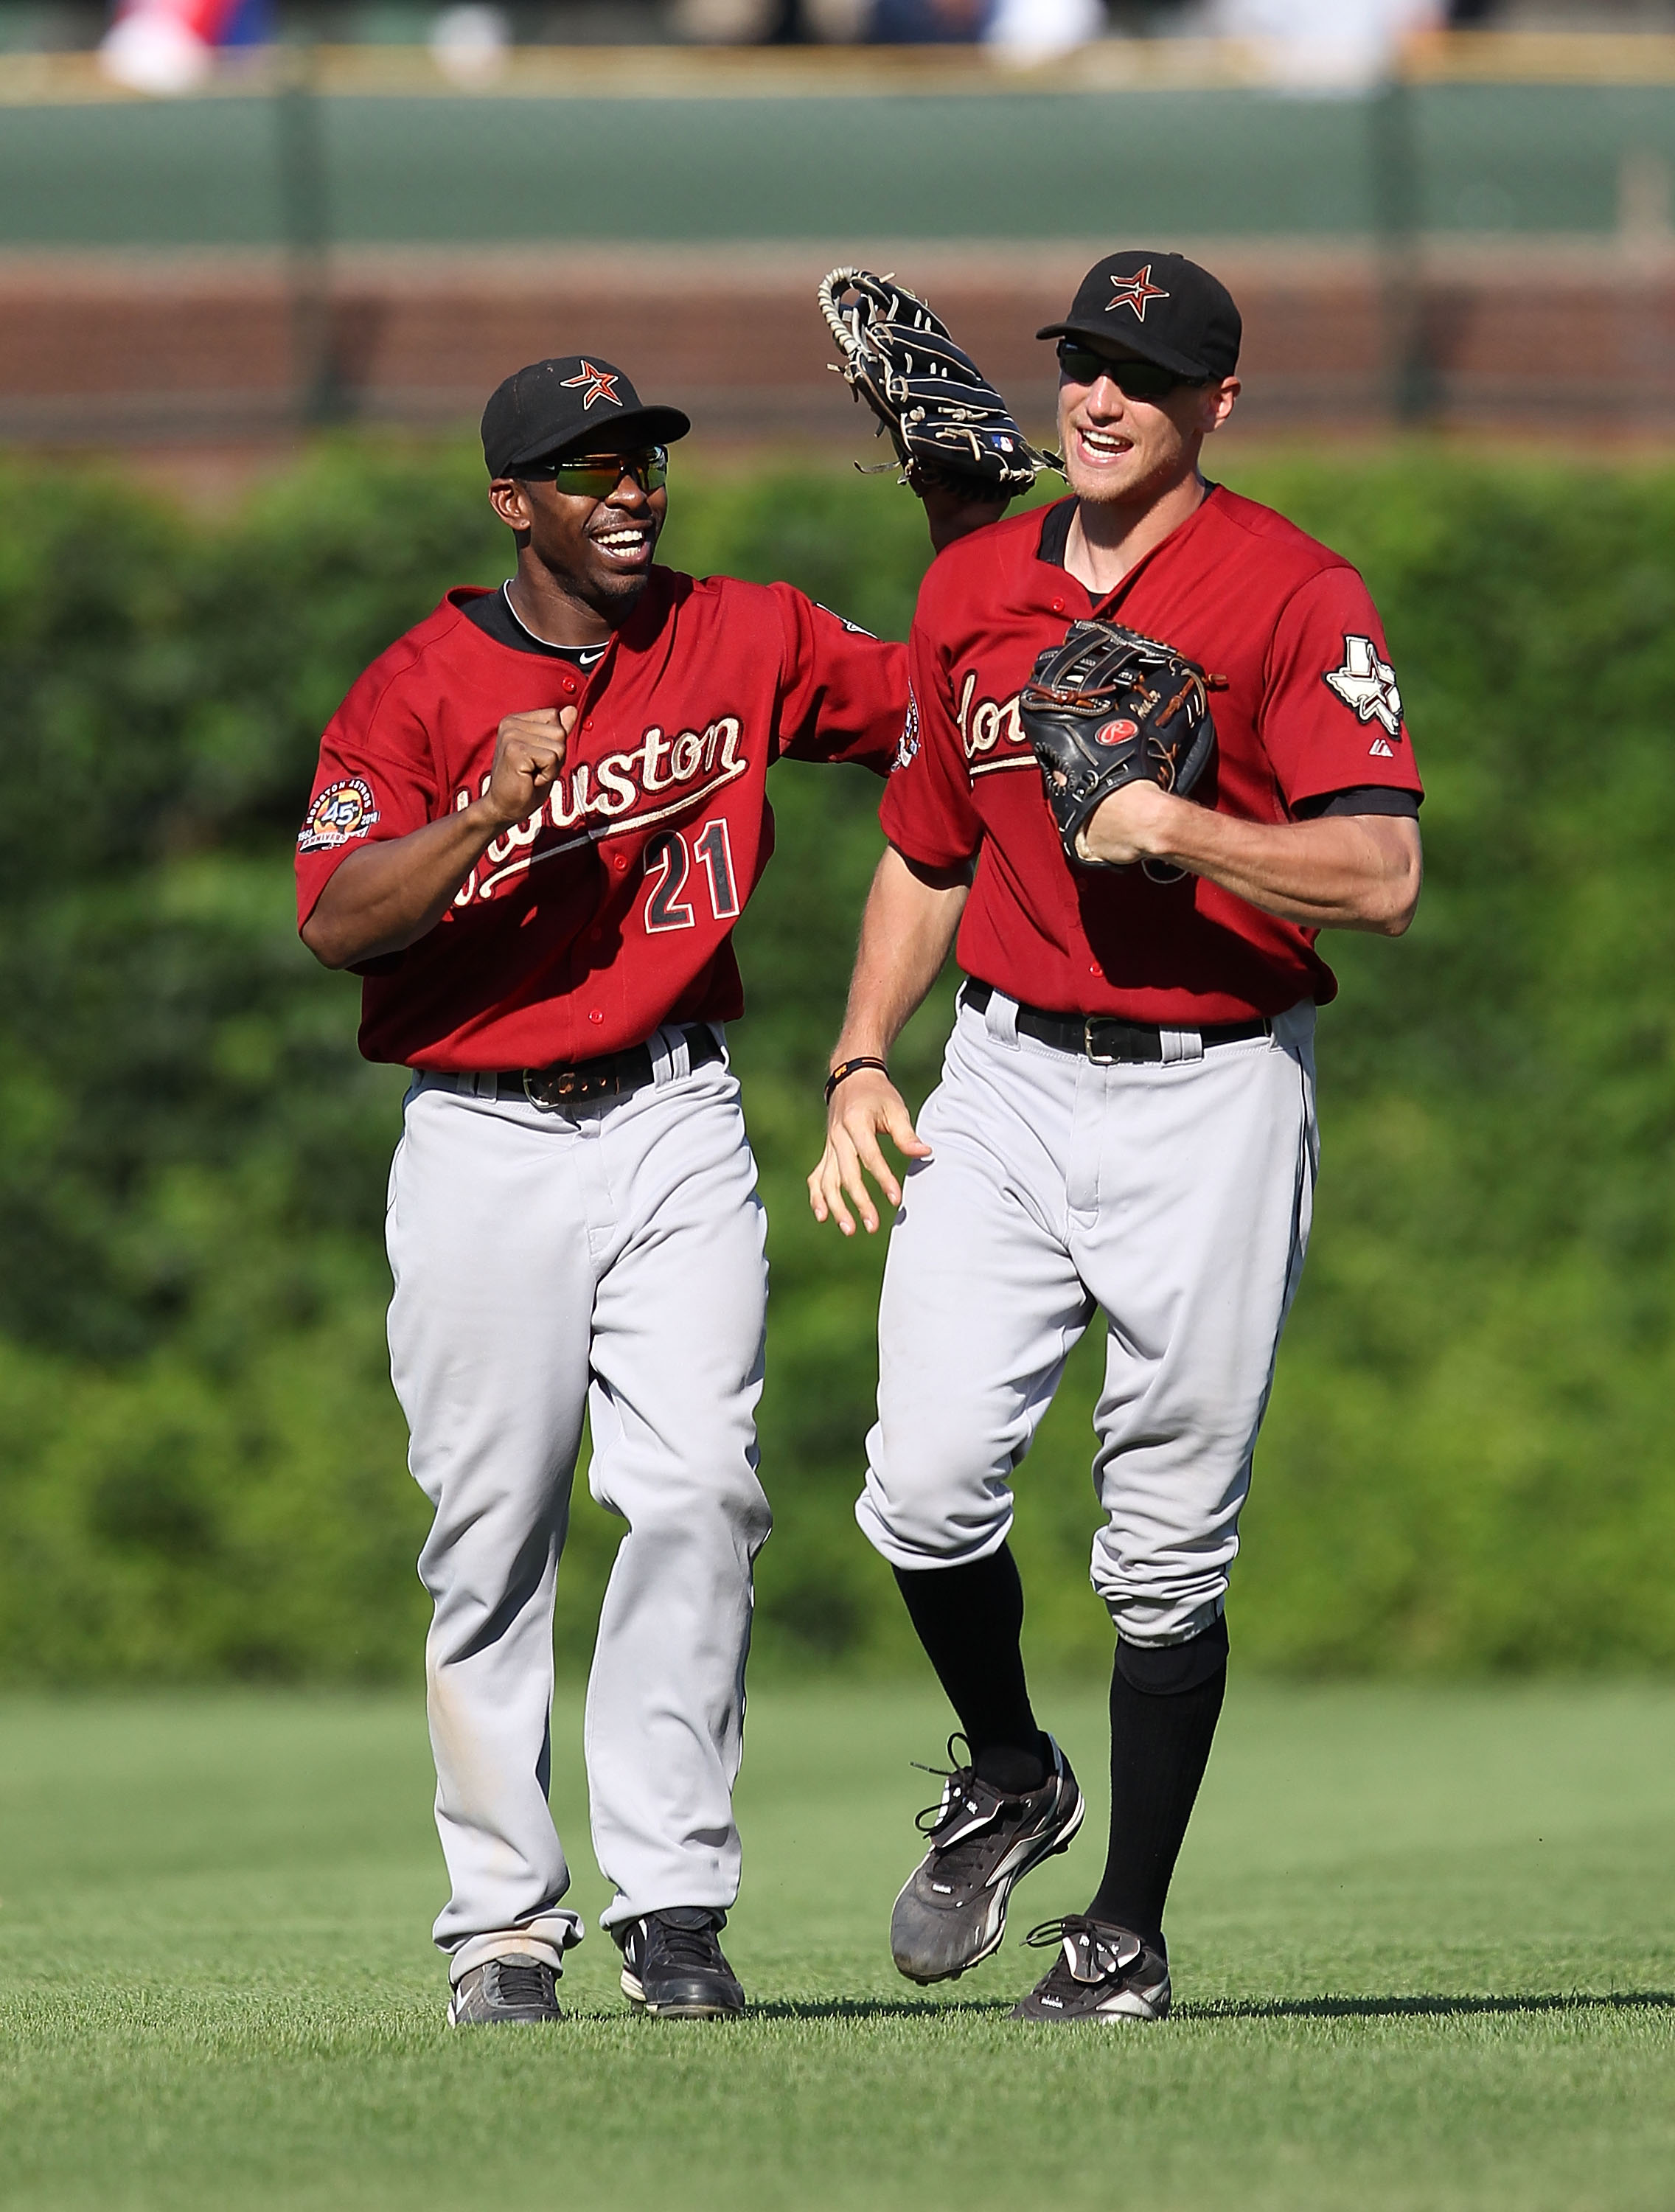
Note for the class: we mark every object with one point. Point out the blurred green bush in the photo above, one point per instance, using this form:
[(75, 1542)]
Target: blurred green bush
[(1466, 1464)]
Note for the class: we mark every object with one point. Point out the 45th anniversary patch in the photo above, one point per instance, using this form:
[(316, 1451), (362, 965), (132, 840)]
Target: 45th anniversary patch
[(342, 811)]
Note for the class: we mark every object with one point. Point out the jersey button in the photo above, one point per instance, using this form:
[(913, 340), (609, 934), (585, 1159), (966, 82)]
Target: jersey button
[(1058, 606), (594, 1015)]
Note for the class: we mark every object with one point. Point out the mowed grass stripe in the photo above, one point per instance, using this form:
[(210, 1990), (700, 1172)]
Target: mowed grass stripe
[(1423, 1941)]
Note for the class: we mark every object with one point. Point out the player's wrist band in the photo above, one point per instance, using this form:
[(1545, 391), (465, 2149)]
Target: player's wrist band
[(848, 1067)]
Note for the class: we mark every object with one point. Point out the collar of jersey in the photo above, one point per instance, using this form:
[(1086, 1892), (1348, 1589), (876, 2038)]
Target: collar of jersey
[(1119, 591)]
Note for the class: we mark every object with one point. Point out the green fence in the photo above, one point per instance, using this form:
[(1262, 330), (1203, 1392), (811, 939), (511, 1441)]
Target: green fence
[(1211, 162)]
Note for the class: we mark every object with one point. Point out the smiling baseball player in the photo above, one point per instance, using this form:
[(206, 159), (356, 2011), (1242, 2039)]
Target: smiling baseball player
[(1126, 1123), (536, 818)]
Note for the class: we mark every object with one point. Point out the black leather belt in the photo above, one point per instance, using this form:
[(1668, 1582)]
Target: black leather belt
[(613, 1075), (1101, 1038)]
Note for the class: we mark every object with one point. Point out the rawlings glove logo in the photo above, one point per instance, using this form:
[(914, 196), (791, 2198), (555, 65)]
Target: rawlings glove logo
[(1162, 730)]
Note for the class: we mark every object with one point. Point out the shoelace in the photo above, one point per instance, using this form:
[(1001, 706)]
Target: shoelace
[(525, 1982), (1107, 1947), (964, 1860), (931, 1817), (685, 1947)]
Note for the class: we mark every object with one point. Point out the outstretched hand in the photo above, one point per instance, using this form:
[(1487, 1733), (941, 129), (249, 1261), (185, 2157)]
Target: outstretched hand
[(864, 1108)]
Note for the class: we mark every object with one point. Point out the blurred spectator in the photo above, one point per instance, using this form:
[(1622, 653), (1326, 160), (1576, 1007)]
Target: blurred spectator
[(929, 22), (1022, 30), (1325, 45), (169, 45), (470, 42), (1035, 30)]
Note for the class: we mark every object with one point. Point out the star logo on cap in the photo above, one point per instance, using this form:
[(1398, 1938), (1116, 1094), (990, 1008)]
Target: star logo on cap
[(600, 385), (1136, 291)]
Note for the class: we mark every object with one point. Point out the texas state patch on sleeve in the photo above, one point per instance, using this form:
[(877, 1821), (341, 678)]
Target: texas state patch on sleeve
[(341, 813), (1366, 683)]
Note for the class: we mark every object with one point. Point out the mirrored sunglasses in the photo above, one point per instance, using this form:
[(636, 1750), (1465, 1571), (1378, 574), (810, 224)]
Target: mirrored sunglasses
[(596, 476), (1137, 380)]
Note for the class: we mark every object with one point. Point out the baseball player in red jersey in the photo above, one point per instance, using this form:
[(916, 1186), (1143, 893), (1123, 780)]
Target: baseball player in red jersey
[(536, 818), (1126, 1122)]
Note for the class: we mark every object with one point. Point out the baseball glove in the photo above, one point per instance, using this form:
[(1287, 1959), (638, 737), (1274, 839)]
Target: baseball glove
[(1107, 708), (943, 418)]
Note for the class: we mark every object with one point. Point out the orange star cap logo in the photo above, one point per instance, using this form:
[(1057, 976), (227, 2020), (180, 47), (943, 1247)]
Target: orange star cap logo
[(1136, 291), (600, 385)]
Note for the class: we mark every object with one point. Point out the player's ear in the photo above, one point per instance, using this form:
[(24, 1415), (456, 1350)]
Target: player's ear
[(511, 502), (1217, 403)]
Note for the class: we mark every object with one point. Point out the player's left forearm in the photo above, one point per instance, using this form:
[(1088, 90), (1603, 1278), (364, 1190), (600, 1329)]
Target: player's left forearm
[(1340, 872)]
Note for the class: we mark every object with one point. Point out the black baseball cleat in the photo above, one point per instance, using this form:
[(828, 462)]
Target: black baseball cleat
[(951, 1915), (1101, 1973), (513, 1989), (673, 1964)]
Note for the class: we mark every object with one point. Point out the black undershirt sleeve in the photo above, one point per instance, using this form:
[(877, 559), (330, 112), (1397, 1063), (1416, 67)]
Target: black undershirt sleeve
[(1364, 799)]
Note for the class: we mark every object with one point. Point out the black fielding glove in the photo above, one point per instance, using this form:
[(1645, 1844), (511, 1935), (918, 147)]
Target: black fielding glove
[(947, 422), (1108, 707)]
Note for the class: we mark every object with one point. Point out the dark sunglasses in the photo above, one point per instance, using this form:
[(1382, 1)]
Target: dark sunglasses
[(596, 476), (1135, 379)]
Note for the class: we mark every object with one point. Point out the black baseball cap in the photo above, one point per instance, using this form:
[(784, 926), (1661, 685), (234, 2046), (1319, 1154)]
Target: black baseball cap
[(1160, 306), (575, 401)]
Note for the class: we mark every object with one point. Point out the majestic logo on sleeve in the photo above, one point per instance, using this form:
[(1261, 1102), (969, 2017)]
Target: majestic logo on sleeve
[(1136, 291), (600, 385), (342, 811), (617, 795), (1368, 685)]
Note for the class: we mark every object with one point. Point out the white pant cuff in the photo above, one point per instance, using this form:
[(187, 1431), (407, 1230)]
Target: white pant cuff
[(910, 1557), (546, 1942), (1154, 1627)]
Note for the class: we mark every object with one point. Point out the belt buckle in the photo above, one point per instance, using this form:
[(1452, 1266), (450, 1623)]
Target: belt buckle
[(554, 1086), (1099, 1059)]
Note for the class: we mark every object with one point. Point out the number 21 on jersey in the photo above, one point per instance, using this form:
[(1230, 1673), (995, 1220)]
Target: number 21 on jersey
[(668, 863)]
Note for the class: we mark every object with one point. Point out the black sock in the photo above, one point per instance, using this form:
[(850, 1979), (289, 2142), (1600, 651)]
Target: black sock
[(969, 1620), (1164, 1706)]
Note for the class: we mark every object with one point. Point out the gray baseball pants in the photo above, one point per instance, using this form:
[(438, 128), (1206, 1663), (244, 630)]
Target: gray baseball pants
[(606, 1258), (1175, 1198)]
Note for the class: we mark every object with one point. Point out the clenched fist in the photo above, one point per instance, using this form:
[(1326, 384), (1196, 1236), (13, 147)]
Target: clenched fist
[(529, 752)]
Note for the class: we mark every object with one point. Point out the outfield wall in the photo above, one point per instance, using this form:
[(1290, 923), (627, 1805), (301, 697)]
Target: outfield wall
[(1486, 240)]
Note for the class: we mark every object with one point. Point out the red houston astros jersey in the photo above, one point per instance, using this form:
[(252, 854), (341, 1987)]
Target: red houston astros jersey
[(610, 910), (1311, 709)]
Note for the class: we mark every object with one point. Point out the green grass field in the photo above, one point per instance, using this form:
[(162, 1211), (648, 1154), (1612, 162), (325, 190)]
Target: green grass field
[(1424, 1944)]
